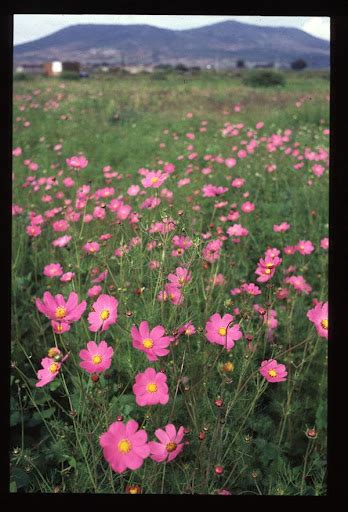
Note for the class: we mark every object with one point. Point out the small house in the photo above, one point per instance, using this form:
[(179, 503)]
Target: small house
[(53, 68)]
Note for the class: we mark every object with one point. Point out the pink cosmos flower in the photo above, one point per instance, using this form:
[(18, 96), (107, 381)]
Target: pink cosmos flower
[(184, 242), (101, 277), (305, 247), (281, 228), (248, 207), (212, 251), (154, 179), (77, 162), (97, 358), (124, 446), (170, 444), (151, 388), (220, 331), (94, 291), (60, 225), (153, 343), (67, 277), (250, 288), (62, 241), (171, 292), (91, 247), (53, 270), (49, 371), (319, 315), (299, 283), (181, 277), (324, 243), (104, 313), (230, 162), (188, 329), (17, 151), (237, 230), (61, 312), (238, 182), (133, 190), (273, 371), (33, 230)]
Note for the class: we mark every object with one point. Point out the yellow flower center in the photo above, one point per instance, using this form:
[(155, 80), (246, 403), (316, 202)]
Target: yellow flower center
[(272, 373), (325, 323), (59, 327), (97, 359), (222, 331), (269, 265), (154, 179), (60, 312), (152, 387), (54, 367), (180, 251), (104, 315), (133, 490), (268, 271), (181, 280), (170, 447), (124, 446), (148, 343)]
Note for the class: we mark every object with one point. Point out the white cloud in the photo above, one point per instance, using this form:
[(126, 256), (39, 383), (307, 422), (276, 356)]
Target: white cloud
[(319, 27)]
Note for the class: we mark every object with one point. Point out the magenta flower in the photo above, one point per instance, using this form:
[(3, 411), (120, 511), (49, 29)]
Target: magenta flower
[(154, 179), (181, 277), (272, 371), (53, 270), (319, 315), (281, 228), (49, 371), (104, 313), (91, 247), (153, 343), (62, 241), (77, 162), (305, 247), (220, 331), (61, 312), (33, 230), (60, 225), (97, 358), (151, 388), (299, 283), (124, 446), (169, 446), (324, 243)]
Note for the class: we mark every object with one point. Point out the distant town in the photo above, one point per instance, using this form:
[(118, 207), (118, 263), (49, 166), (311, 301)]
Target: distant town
[(57, 68)]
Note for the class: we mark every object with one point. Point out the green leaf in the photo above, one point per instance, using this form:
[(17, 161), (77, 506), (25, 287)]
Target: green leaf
[(15, 418), (21, 479), (13, 487)]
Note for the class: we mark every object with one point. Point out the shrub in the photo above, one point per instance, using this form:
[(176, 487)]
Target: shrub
[(70, 75), (264, 78), (20, 76)]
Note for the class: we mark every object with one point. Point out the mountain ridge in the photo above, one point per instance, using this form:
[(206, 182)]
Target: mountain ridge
[(220, 44)]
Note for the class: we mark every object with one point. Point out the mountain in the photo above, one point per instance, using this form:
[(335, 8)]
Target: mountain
[(220, 44)]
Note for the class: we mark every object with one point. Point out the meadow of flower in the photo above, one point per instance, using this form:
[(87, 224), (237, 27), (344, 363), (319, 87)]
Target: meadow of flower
[(169, 286)]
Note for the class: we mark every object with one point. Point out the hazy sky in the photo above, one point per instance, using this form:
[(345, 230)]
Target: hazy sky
[(28, 27)]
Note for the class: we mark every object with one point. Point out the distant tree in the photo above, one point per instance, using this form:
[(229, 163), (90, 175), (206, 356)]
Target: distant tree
[(240, 63), (181, 67), (298, 64)]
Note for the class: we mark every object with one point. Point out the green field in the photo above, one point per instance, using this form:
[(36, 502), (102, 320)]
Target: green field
[(243, 434)]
